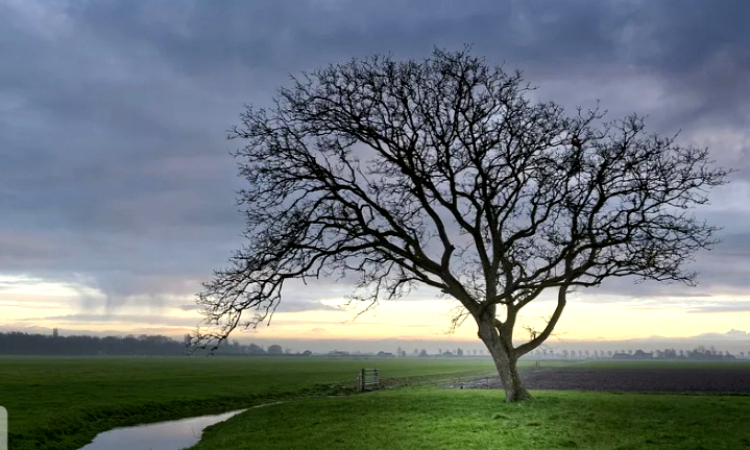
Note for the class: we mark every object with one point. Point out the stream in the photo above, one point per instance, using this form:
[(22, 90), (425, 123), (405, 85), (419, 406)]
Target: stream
[(172, 435)]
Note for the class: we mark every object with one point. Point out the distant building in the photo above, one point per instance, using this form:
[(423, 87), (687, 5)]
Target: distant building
[(55, 332), (640, 354)]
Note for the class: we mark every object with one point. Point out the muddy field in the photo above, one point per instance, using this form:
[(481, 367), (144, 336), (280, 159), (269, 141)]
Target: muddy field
[(630, 380)]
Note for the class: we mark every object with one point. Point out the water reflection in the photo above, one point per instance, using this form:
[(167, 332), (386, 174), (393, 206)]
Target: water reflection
[(173, 435)]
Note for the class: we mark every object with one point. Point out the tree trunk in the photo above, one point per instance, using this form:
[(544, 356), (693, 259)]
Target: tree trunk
[(514, 388), (505, 361)]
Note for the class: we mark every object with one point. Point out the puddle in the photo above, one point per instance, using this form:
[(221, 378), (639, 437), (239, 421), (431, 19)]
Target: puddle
[(172, 435)]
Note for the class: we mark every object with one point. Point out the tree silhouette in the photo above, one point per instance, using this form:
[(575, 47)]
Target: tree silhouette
[(442, 173), (275, 350)]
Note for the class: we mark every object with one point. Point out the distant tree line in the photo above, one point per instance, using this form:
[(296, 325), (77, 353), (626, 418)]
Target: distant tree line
[(16, 343), (699, 353)]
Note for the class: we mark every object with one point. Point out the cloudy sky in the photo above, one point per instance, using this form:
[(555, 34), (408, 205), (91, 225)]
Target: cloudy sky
[(117, 190)]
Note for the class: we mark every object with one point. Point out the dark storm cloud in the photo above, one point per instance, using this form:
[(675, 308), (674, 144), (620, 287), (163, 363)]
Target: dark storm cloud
[(113, 167)]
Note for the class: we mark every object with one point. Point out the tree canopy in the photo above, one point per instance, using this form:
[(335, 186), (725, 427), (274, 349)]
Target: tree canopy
[(444, 173)]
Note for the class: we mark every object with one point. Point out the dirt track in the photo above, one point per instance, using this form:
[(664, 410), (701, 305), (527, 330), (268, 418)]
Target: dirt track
[(631, 380)]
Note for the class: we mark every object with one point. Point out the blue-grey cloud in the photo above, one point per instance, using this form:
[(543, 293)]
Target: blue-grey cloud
[(118, 318), (731, 334), (724, 307), (113, 163)]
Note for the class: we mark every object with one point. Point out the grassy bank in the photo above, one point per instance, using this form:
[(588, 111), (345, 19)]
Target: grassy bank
[(430, 418), (62, 403)]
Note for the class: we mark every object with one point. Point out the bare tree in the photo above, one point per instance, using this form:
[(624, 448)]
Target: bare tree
[(442, 173)]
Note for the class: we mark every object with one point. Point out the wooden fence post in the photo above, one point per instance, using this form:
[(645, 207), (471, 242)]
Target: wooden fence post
[(368, 379)]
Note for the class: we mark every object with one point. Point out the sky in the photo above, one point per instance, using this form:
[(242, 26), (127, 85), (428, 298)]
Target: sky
[(117, 190)]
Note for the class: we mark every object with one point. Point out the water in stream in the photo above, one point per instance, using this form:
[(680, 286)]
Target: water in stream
[(172, 435)]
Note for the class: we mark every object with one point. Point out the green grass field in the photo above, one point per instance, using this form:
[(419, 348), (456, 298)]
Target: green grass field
[(62, 403), (424, 418)]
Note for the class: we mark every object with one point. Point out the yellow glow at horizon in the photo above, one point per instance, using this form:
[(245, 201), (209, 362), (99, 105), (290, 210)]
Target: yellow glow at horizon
[(581, 320), (28, 301)]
